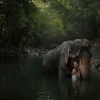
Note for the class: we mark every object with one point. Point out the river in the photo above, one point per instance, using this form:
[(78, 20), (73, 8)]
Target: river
[(22, 80)]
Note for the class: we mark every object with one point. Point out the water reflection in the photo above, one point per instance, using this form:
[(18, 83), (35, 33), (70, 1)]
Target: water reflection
[(22, 80), (67, 90)]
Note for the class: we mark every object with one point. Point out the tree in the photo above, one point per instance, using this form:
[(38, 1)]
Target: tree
[(80, 17), (15, 23)]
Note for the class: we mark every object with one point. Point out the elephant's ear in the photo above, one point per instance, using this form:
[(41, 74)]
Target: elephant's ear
[(67, 56), (65, 52)]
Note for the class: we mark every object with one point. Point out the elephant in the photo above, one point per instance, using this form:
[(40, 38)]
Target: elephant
[(60, 59)]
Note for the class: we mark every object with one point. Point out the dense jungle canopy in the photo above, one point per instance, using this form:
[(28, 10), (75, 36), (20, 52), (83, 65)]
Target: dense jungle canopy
[(46, 22)]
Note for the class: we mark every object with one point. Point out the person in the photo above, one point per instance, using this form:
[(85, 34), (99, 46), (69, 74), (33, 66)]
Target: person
[(75, 71)]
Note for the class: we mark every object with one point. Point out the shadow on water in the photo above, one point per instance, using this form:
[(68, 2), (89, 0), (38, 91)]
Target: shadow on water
[(22, 80)]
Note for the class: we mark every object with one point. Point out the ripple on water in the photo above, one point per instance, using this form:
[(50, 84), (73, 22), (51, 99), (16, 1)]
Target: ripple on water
[(44, 95)]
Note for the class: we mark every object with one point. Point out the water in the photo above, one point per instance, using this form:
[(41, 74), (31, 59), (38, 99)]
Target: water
[(23, 80)]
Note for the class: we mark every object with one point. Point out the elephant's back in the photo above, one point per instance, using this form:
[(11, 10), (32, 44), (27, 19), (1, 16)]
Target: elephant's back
[(51, 58)]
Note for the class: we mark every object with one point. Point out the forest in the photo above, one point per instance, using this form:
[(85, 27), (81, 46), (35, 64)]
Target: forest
[(42, 23)]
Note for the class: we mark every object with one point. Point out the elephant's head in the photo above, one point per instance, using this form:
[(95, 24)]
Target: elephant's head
[(79, 51)]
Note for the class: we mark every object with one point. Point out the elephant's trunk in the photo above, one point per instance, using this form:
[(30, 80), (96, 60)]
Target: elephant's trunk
[(84, 66)]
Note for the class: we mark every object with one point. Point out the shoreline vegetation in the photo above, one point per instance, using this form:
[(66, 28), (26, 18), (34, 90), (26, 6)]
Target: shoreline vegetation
[(36, 51)]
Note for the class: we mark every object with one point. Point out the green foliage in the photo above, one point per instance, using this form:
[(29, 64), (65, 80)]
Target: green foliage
[(47, 22), (15, 22), (49, 27), (80, 17)]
